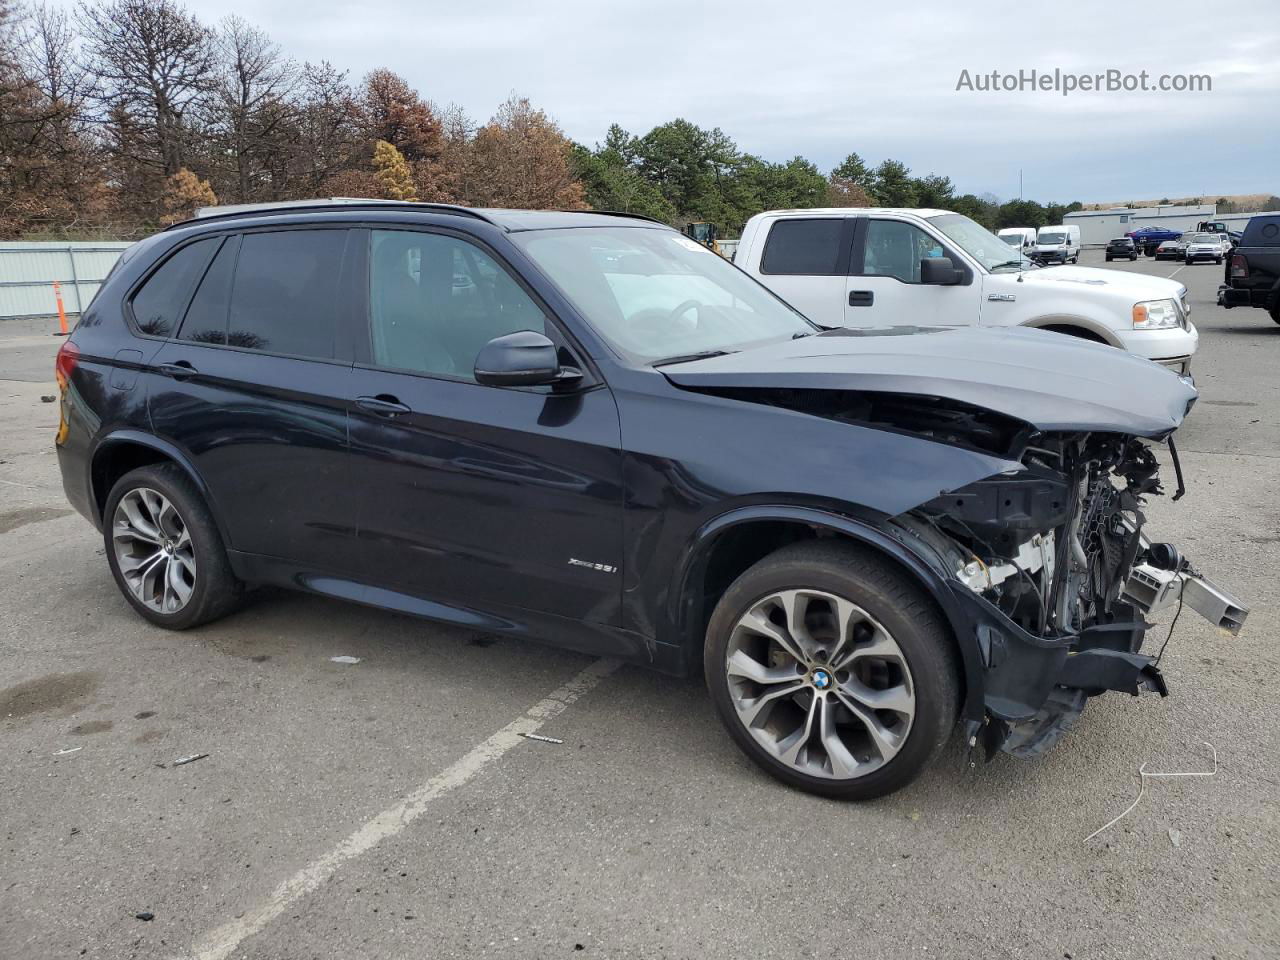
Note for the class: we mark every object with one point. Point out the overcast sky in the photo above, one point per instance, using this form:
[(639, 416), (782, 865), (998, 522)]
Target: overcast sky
[(820, 79)]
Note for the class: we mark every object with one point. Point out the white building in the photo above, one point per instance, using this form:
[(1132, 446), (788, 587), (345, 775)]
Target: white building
[(1099, 226)]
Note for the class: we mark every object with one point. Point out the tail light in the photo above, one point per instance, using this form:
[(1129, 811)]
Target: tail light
[(1239, 266), (68, 356)]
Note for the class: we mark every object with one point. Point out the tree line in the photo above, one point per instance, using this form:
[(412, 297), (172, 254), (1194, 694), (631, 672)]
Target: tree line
[(125, 115)]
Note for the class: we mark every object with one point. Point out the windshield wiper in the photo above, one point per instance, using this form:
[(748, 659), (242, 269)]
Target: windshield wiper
[(1008, 263), (686, 357)]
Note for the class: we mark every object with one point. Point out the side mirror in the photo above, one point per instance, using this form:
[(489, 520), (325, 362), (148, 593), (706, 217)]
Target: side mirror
[(939, 270), (520, 359)]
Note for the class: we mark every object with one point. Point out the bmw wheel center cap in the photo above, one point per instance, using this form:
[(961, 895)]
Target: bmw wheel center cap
[(821, 679)]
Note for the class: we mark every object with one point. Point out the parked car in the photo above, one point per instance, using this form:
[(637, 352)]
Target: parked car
[(1253, 272), (1057, 245), (1171, 249), (849, 267), (1150, 238), (1022, 239), (1206, 246), (1121, 247), (611, 438)]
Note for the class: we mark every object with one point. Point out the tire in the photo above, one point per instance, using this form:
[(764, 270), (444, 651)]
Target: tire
[(1275, 313), (1189, 261), (179, 576), (1133, 257), (886, 612), (1218, 261), (1108, 258)]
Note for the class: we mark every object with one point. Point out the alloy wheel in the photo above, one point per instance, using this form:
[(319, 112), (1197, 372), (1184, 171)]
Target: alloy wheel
[(153, 550), (820, 684)]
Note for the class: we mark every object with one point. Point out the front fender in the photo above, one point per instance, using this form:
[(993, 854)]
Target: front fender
[(921, 567)]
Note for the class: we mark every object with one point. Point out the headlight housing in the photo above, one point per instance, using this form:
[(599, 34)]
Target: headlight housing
[(1155, 314)]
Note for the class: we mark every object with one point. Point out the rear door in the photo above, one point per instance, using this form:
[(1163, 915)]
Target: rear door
[(805, 260), (254, 390), (884, 288), (478, 496)]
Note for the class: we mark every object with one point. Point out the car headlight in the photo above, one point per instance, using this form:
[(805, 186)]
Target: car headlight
[(1155, 314)]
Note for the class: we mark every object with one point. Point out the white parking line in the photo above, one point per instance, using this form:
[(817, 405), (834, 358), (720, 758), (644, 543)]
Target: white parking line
[(1176, 272), (220, 944)]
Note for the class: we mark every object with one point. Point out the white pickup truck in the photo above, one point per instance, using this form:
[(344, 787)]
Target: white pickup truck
[(853, 267)]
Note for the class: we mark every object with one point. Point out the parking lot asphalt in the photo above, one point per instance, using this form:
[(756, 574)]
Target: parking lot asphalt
[(390, 808)]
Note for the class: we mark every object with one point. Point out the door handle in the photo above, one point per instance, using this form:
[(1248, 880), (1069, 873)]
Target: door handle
[(861, 298), (179, 370), (384, 405)]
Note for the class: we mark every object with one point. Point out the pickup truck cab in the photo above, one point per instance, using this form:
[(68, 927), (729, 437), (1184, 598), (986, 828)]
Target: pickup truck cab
[(876, 268), (1253, 272)]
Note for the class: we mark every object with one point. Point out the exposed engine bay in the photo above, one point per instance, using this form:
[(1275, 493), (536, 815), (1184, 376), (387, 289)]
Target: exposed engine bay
[(1059, 549)]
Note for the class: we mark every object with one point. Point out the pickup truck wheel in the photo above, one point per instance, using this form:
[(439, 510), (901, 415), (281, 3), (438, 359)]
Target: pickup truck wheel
[(1108, 258), (832, 670), (164, 549), (1133, 256)]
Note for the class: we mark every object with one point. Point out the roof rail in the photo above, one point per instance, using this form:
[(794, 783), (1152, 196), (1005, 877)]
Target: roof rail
[(235, 211), (619, 213)]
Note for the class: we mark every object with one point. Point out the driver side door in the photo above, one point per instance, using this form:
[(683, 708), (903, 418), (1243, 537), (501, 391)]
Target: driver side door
[(477, 497), (884, 286)]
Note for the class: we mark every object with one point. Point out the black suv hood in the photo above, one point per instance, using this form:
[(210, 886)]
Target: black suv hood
[(1052, 381)]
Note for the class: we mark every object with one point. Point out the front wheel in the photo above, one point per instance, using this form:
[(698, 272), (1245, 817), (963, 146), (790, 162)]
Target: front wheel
[(832, 670), (164, 549), (1133, 257)]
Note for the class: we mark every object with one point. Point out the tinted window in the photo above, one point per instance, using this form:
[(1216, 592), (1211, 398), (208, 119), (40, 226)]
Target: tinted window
[(1262, 231), (895, 249), (803, 247), (206, 320), (285, 296), (435, 301), (160, 302)]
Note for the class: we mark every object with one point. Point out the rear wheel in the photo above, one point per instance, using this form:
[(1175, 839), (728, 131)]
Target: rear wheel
[(164, 549), (832, 670)]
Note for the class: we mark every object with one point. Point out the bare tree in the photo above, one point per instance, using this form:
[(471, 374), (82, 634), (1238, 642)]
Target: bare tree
[(251, 109), (328, 129), (155, 62)]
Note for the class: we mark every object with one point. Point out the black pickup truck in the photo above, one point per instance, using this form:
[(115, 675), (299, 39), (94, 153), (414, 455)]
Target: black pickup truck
[(1253, 269)]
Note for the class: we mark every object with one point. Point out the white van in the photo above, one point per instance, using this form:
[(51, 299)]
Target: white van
[(1020, 238), (1057, 245), (851, 267)]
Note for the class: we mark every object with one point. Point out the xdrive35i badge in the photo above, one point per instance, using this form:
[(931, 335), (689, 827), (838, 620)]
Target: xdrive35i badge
[(602, 567)]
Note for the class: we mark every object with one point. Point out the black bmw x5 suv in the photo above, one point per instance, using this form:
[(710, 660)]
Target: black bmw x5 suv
[(588, 429)]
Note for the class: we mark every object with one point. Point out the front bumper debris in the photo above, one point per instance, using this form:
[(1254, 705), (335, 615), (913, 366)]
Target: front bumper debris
[(1151, 590)]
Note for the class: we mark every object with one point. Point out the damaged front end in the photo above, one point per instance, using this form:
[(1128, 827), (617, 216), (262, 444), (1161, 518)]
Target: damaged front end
[(1051, 566)]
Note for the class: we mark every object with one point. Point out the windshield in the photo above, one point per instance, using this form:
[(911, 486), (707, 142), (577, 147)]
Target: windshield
[(1204, 238), (1013, 239), (1052, 237), (980, 243), (655, 295)]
